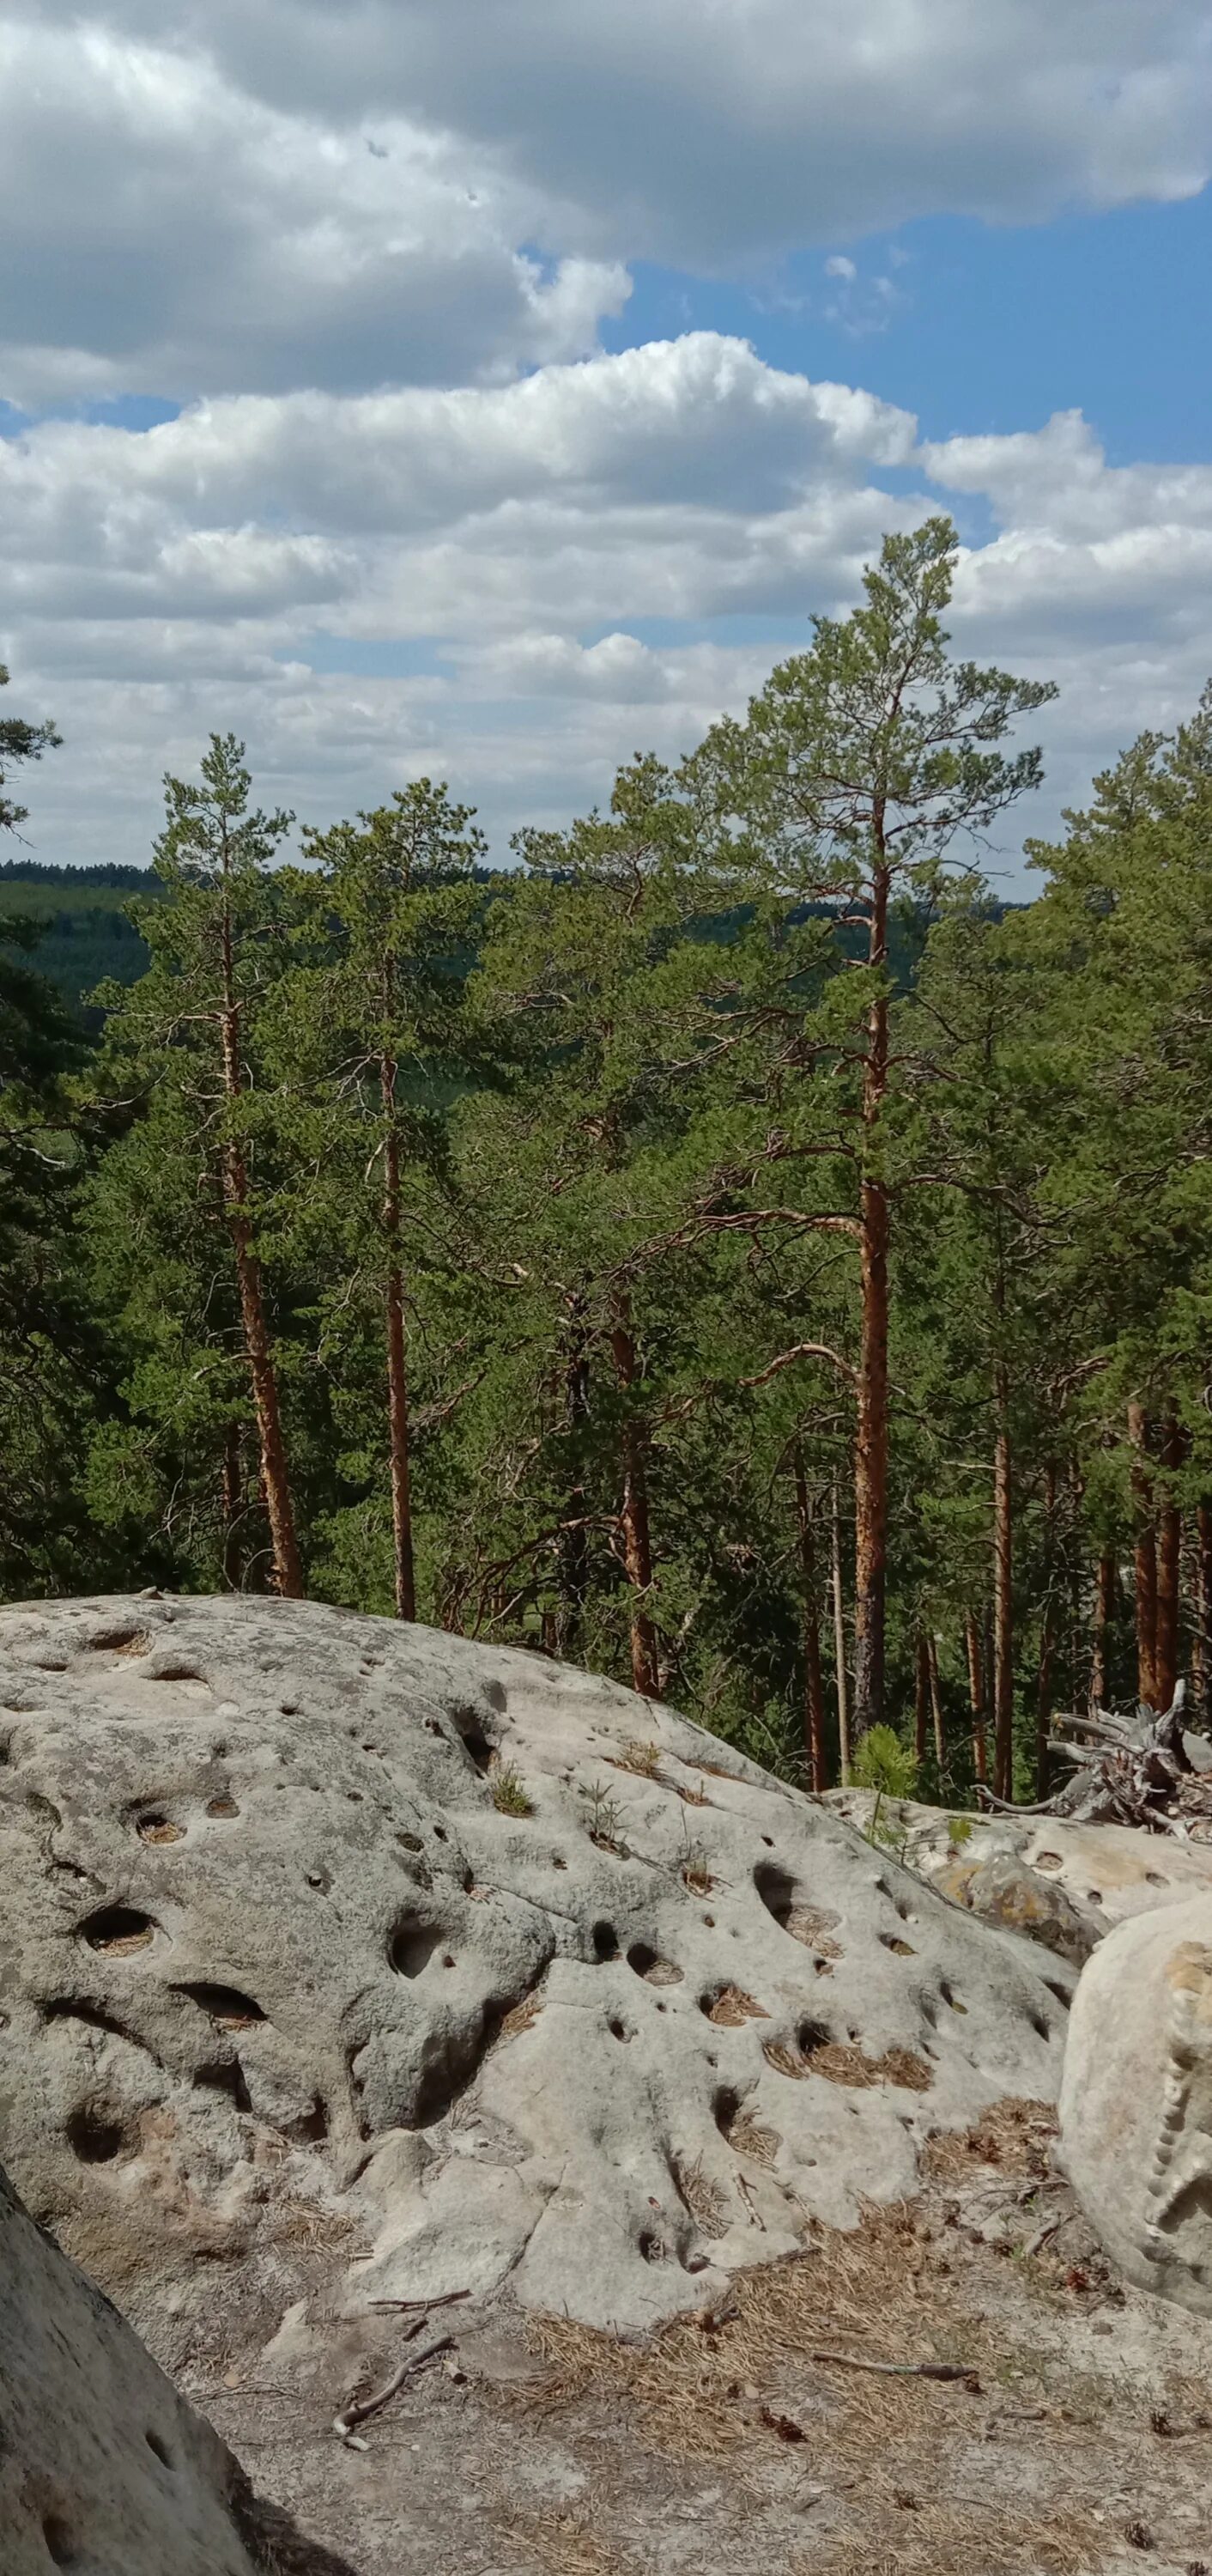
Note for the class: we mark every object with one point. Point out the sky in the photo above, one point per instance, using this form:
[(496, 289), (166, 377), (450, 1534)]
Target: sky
[(491, 389)]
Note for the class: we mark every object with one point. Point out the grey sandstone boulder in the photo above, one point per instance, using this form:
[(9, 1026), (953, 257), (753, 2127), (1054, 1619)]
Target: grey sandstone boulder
[(1136, 2100), (338, 1952), (1062, 1883), (103, 2467)]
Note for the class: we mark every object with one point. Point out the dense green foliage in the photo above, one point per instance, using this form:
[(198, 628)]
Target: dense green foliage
[(595, 1138)]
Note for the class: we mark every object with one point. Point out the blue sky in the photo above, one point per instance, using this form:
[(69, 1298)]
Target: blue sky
[(435, 385)]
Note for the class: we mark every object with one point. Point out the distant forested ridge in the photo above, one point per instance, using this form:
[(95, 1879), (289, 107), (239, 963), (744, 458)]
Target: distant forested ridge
[(86, 937), (728, 1249)]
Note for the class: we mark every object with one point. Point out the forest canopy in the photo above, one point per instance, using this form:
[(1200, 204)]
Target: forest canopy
[(726, 1248)]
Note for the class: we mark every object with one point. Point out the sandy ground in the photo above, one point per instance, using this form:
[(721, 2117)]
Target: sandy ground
[(1073, 2432)]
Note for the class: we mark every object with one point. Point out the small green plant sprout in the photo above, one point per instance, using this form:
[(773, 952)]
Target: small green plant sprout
[(882, 1762), (508, 1795), (695, 1873), (644, 1758), (959, 1831), (605, 1816)]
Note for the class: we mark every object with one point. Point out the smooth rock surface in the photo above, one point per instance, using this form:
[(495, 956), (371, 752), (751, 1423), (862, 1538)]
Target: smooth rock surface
[(1136, 2101), (1062, 1884), (103, 2467), (331, 1946)]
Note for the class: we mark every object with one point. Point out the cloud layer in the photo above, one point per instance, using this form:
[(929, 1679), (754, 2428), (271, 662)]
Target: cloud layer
[(517, 585), (410, 516)]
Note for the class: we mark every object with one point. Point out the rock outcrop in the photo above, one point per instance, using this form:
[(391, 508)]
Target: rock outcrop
[(1136, 2102), (1061, 1883), (331, 1946), (103, 2467)]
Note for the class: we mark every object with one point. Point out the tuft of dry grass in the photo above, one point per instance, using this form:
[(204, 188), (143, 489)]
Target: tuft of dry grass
[(567, 2545), (1014, 2134), (732, 2008), (703, 2198), (522, 2017), (644, 1759), (813, 1926), (509, 1796), (840, 2062)]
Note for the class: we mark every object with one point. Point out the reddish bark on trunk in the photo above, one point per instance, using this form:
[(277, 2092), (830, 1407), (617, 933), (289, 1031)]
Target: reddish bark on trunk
[(1145, 1560), (288, 1567), (814, 1693), (871, 1437), (397, 1359), (637, 1539), (936, 1705), (1201, 1654), (1169, 1572), (1003, 1595), (1104, 1618), (976, 1698), (921, 1697)]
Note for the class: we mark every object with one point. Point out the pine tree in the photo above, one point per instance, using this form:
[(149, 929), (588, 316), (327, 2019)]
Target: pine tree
[(859, 766)]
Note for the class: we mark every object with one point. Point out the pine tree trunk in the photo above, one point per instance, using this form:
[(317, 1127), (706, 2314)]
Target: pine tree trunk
[(839, 1646), (397, 1359), (976, 1699), (936, 1705), (1003, 1594), (1047, 1642), (232, 1507), (814, 1695), (574, 1542), (288, 1568), (1103, 1628), (921, 1697), (1145, 1560), (1169, 1572), (637, 1540), (871, 1440), (1201, 1671)]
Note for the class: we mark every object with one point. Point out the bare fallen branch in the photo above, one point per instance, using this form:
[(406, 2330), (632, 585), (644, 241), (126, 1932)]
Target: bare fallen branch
[(360, 2409)]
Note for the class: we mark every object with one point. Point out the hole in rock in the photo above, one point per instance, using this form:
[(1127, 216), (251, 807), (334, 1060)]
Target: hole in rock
[(724, 2110), (1041, 2024), (651, 2247), (768, 1839), (947, 1991), (289, 1707), (161, 2449), (1153, 1877), (410, 1842), (843, 2062), (617, 2028), (224, 2075), (900, 1949), (224, 2004), (118, 1931), (159, 1829), (68, 2008), (605, 1941), (709, 1920), (177, 1668), (95, 2135), (1094, 1896), (648, 1963), (1047, 1860), (1061, 1992), (312, 2128), (6, 1751), (412, 1945), (439, 1833), (557, 1863), (125, 1639), (60, 2545), (222, 1807), (469, 1728)]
